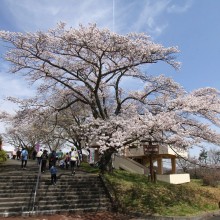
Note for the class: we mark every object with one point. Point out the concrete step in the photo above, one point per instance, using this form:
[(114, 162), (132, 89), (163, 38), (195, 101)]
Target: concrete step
[(76, 178), (20, 179), (80, 192), (72, 193), (50, 211), (71, 197), (16, 175), (63, 200), (69, 187), (15, 195), (13, 204), (18, 187), (14, 191), (53, 190), (18, 183), (13, 199), (72, 206), (15, 209)]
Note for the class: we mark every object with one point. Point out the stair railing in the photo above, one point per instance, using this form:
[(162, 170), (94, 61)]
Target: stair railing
[(36, 186)]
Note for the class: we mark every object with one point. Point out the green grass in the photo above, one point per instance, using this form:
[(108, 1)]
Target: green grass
[(136, 194), (3, 156), (90, 169)]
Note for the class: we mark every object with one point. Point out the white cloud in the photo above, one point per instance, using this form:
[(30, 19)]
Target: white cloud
[(12, 86), (148, 18), (31, 15), (150, 15), (174, 8)]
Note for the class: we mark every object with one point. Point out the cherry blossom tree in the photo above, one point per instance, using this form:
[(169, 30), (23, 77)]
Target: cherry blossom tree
[(214, 156), (19, 133), (86, 68), (87, 63)]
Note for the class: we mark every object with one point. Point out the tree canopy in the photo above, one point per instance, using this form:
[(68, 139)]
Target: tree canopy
[(80, 73)]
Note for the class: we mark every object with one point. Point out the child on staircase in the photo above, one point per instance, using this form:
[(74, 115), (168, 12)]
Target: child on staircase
[(53, 171)]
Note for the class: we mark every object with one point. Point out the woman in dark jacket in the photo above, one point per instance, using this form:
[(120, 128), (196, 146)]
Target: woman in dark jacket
[(44, 158)]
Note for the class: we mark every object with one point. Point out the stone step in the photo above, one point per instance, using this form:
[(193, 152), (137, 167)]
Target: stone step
[(21, 179), (71, 200), (80, 192), (18, 201), (17, 194), (75, 179), (12, 203), (41, 193), (13, 192), (17, 183), (55, 196), (72, 197), (15, 209), (19, 206), (17, 187), (16, 175), (61, 182), (67, 206), (69, 187), (50, 211), (76, 192)]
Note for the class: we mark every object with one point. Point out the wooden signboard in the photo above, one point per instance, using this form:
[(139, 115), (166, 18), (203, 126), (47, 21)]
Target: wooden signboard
[(151, 149)]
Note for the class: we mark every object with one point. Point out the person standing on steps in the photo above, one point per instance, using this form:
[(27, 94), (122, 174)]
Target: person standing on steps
[(39, 154), (73, 159), (67, 160), (79, 157), (44, 158), (24, 157), (52, 159), (18, 154), (53, 172), (14, 154), (34, 154)]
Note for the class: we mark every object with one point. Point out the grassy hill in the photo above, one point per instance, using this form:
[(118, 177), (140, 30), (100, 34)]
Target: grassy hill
[(136, 194)]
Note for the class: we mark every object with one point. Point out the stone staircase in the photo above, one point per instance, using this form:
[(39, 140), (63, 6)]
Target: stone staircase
[(16, 192), (82, 192)]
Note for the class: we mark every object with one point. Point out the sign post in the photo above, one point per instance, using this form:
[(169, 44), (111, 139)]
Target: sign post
[(151, 150)]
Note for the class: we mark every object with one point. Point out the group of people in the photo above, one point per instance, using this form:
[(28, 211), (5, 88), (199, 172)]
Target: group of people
[(70, 159), (16, 154)]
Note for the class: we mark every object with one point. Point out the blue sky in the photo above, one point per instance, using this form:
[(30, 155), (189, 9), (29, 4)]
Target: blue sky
[(192, 25)]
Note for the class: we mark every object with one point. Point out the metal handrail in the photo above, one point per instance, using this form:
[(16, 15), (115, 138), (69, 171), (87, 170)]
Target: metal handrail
[(37, 185)]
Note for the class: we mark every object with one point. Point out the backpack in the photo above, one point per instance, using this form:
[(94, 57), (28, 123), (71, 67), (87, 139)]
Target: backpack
[(24, 153), (73, 156)]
